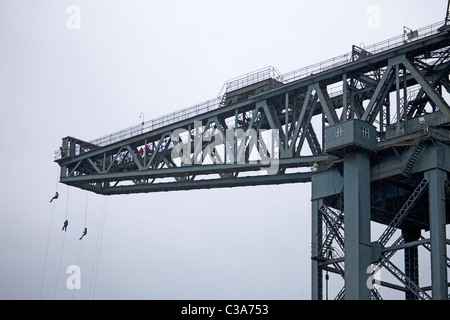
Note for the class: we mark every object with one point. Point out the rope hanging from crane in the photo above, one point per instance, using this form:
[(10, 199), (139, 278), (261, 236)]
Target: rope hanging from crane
[(95, 263)]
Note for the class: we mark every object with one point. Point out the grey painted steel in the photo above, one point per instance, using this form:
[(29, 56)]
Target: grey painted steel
[(403, 212), (437, 215), (351, 133), (411, 258), (357, 225), (430, 91), (405, 280), (326, 184), (316, 232)]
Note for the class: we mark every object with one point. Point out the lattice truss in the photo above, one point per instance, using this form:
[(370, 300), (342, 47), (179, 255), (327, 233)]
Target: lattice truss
[(331, 219), (293, 115)]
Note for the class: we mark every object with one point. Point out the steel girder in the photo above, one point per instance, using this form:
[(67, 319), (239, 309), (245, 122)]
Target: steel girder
[(289, 108), (229, 145), (333, 222), (410, 278), (216, 148)]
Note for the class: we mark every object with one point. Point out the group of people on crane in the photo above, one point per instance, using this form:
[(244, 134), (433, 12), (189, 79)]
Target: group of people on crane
[(66, 223)]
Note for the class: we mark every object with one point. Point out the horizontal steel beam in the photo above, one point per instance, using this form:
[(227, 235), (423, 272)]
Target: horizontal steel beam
[(406, 245), (198, 184), (307, 161)]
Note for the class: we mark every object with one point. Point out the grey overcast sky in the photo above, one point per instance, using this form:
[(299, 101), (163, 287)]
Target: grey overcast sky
[(157, 57)]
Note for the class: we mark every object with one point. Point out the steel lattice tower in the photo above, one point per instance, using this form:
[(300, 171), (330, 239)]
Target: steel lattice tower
[(375, 121)]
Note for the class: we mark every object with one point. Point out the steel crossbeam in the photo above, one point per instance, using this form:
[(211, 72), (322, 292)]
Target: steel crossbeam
[(410, 284)]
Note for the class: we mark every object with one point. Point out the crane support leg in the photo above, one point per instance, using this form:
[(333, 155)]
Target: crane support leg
[(357, 225), (436, 195)]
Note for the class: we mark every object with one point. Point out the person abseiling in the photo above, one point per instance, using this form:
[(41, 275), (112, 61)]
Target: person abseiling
[(55, 197), (84, 233)]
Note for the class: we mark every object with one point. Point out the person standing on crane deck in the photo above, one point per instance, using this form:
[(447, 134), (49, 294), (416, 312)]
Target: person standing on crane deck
[(330, 251), (315, 167)]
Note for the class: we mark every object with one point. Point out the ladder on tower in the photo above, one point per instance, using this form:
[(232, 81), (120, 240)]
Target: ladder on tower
[(412, 158)]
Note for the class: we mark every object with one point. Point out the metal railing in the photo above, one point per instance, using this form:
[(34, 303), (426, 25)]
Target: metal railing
[(255, 77), (372, 49), (158, 122), (252, 78)]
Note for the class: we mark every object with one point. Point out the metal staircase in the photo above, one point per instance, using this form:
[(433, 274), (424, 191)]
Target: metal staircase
[(412, 158)]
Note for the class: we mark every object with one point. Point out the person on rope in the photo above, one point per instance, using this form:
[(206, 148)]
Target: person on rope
[(55, 196), (84, 233), (66, 223)]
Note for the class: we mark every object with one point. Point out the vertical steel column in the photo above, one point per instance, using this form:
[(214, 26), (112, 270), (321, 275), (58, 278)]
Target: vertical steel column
[(344, 97), (236, 123), (411, 260), (357, 224), (436, 196), (65, 146), (397, 93), (388, 111), (316, 245), (405, 100), (286, 121)]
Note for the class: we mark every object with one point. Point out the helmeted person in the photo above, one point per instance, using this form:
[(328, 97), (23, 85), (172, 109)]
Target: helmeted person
[(84, 233), (62, 151), (315, 167), (330, 251), (66, 223), (55, 196)]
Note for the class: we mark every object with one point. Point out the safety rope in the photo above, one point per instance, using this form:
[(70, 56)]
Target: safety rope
[(67, 202), (95, 264), (81, 242), (48, 236), (62, 247), (46, 250), (85, 213), (78, 263)]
